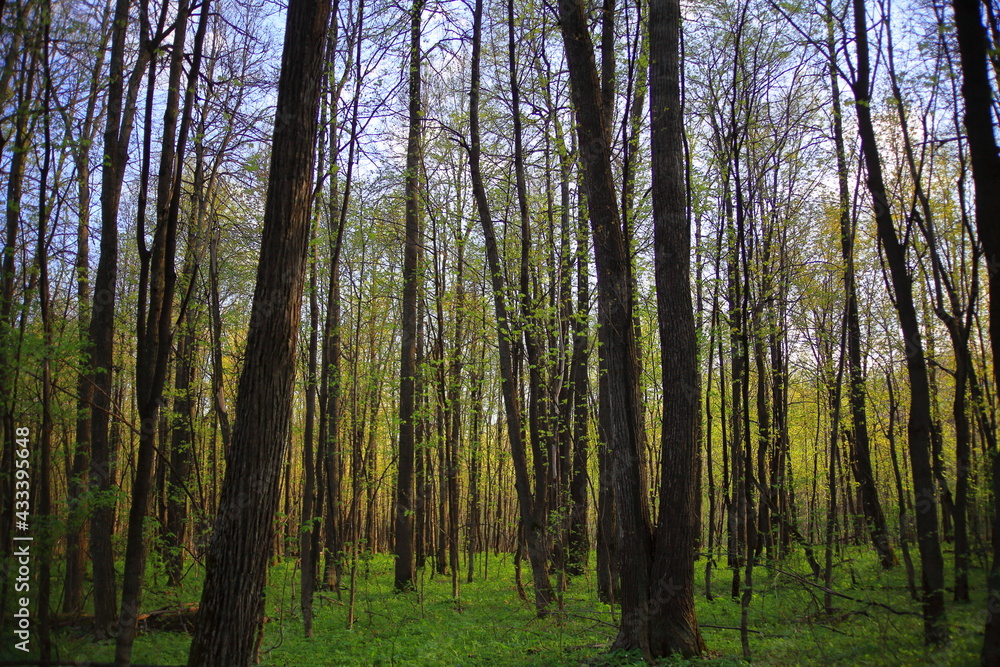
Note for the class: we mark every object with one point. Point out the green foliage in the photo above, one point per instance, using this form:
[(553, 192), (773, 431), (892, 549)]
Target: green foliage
[(489, 626)]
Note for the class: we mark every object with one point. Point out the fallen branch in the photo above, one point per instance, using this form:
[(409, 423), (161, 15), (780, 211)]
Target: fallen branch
[(170, 619), (823, 588), (586, 618), (180, 618), (727, 627)]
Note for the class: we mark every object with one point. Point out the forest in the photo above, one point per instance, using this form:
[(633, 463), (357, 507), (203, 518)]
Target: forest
[(499, 332)]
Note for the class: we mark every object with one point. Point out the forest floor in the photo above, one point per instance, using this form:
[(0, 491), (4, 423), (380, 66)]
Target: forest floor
[(878, 625)]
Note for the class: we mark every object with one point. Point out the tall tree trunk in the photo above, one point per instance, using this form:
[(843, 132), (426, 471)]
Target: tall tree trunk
[(541, 434), (901, 498), (608, 547), (579, 542), (155, 337), (76, 556), (120, 116), (861, 450), (183, 458), (534, 526), (310, 525), (709, 431), (834, 393), (672, 624), (44, 492), (218, 390), (919, 425), (8, 342), (618, 345), (738, 516), (455, 428), (231, 609), (330, 381), (977, 92), (476, 453), (405, 572)]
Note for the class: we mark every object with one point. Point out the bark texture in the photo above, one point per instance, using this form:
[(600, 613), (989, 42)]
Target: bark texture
[(231, 607), (405, 563), (919, 423), (620, 418), (976, 89), (673, 626)]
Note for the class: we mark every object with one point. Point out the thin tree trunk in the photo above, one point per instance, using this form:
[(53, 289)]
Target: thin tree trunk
[(533, 525), (8, 372), (118, 131), (834, 394), (218, 390), (455, 429), (904, 540), (76, 556), (709, 463), (405, 567), (541, 435), (183, 457), (861, 450), (154, 339), (579, 541), (44, 492), (310, 525), (330, 383), (476, 452), (919, 426)]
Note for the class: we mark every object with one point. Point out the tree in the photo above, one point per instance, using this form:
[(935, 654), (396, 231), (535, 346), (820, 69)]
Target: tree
[(977, 92), (919, 425), (12, 214), (531, 504), (408, 361), (118, 131), (81, 143), (154, 336), (672, 625), (861, 451), (618, 344), (231, 607), (44, 296)]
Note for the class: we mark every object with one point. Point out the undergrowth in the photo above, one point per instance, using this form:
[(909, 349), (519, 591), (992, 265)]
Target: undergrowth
[(877, 623)]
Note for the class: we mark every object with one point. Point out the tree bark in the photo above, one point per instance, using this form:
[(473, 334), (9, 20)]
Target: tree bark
[(579, 541), (455, 429), (76, 556), (534, 526), (44, 492), (861, 450), (22, 137), (618, 345), (155, 338), (919, 425), (309, 524), (672, 624), (118, 131), (977, 92), (405, 565), (183, 458), (231, 607)]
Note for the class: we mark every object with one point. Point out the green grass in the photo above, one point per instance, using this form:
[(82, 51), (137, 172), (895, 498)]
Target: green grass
[(491, 626)]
